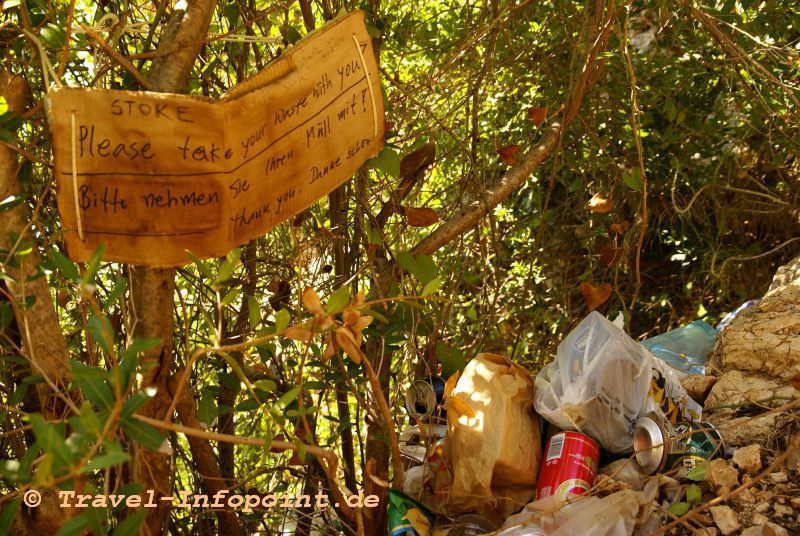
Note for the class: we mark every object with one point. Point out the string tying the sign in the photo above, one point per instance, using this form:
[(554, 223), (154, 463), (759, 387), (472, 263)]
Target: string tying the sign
[(369, 86), (47, 67), (74, 150)]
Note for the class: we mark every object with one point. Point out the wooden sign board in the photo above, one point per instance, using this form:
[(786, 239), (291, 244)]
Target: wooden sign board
[(154, 175)]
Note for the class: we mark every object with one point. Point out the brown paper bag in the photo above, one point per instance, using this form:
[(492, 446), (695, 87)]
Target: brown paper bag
[(493, 438)]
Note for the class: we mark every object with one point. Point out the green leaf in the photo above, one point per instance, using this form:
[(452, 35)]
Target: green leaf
[(693, 493), (111, 458), (65, 266), (136, 401), (76, 525), (253, 312), (231, 12), (431, 287), (452, 359), (130, 525), (679, 508), (54, 36), (201, 266), (207, 409), (228, 265), (286, 398), (237, 369), (230, 297), (6, 314), (387, 161), (698, 473), (290, 34), (142, 433), (10, 202), (88, 420), (282, 319), (51, 439), (265, 385), (92, 386), (338, 300), (94, 264), (119, 288), (129, 358), (8, 515), (633, 179), (100, 329), (301, 449), (421, 267)]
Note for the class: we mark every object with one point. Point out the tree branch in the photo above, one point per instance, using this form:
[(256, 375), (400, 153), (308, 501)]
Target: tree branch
[(470, 215)]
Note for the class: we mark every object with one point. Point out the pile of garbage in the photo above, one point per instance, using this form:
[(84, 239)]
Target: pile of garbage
[(608, 439)]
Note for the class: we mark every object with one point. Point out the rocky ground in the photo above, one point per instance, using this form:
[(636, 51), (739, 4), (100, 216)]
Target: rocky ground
[(752, 394)]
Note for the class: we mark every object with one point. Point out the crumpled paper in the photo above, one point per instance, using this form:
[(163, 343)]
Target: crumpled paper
[(493, 438)]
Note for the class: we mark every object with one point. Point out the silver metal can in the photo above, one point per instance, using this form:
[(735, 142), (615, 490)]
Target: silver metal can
[(661, 446), (424, 399)]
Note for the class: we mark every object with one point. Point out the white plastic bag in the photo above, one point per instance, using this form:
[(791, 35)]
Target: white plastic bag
[(613, 515), (602, 381)]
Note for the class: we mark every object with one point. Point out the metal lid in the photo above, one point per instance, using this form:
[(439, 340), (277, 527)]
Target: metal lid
[(648, 443), (421, 399)]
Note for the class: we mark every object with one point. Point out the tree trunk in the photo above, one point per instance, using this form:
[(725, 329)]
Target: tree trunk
[(43, 343), (153, 290), (42, 340)]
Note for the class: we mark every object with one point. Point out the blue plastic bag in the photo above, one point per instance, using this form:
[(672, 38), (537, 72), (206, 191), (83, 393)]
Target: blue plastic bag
[(686, 348)]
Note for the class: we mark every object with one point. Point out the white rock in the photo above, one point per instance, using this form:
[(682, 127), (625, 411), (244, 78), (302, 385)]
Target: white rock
[(782, 509), (725, 519), (779, 477), (762, 507), (720, 473), (773, 529), (748, 458), (759, 519)]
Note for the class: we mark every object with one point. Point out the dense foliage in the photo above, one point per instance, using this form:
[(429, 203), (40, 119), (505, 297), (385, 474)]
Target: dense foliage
[(672, 196)]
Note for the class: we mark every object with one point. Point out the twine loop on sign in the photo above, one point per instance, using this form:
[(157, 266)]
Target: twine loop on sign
[(369, 87), (74, 153), (47, 67)]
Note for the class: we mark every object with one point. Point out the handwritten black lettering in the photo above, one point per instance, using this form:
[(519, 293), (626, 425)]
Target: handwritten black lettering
[(170, 200), (249, 216), (357, 147), (319, 130), (317, 173), (144, 109), (347, 71), (285, 113), (253, 139), (203, 153), (106, 148), (283, 198), (322, 86), (348, 110), (275, 162), (239, 186), (107, 202)]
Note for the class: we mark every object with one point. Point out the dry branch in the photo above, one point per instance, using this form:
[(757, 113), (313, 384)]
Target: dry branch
[(469, 216)]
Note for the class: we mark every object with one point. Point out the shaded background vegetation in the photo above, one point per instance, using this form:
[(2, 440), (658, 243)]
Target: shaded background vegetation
[(716, 90)]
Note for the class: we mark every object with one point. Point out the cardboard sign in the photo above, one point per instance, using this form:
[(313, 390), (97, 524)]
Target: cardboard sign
[(153, 175)]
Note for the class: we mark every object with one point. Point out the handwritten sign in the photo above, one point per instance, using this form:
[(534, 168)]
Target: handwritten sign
[(153, 175)]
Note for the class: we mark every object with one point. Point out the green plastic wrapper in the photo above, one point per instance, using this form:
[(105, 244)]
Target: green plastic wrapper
[(400, 505)]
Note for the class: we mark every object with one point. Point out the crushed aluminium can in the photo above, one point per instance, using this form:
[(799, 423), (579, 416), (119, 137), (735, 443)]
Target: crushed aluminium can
[(570, 465), (424, 399), (662, 447)]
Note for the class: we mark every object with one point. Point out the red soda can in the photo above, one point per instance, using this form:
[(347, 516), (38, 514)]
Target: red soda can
[(570, 465)]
